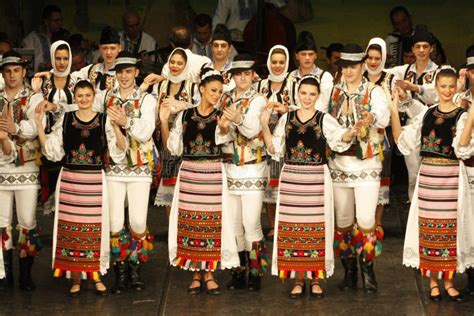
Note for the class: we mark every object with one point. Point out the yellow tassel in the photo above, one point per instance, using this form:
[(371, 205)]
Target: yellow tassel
[(134, 145), (56, 273), (37, 158), (381, 156), (147, 245), (150, 159), (259, 154)]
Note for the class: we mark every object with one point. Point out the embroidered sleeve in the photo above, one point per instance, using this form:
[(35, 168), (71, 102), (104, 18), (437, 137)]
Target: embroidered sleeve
[(333, 132), (326, 88), (175, 139), (143, 127), (410, 138), (380, 108), (278, 139), (6, 159), (463, 152), (54, 149), (83, 73), (115, 153), (251, 120), (428, 93), (28, 126)]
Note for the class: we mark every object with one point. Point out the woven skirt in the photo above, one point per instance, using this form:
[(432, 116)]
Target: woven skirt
[(437, 220), (79, 223), (301, 225), (199, 216)]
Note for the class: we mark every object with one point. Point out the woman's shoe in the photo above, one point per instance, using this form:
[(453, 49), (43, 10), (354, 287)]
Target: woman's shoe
[(215, 291), (435, 298), (196, 289), (101, 291), (455, 298), (75, 289), (316, 294), (300, 294)]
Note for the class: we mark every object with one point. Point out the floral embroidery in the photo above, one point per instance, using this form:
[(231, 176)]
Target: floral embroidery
[(431, 142), (302, 154), (82, 156), (200, 147), (85, 128)]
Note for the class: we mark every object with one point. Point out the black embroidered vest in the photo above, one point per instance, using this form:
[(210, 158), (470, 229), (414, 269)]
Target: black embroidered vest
[(199, 135), (85, 143), (438, 131), (305, 143)]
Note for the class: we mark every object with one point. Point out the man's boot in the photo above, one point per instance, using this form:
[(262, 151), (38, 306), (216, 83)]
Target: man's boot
[(121, 277)]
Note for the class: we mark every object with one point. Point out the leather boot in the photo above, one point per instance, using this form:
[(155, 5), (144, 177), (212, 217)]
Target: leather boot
[(26, 283), (237, 281), (368, 275), (121, 277), (350, 274), (7, 282), (470, 281), (136, 281), (255, 280)]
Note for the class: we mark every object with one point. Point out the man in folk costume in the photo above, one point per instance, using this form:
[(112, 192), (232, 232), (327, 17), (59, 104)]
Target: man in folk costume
[(135, 112), (418, 81), (306, 54), (19, 171), (356, 172), (222, 54), (245, 165), (101, 74)]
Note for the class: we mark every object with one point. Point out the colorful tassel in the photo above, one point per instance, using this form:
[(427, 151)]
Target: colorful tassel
[(139, 159), (150, 159), (29, 241), (37, 158), (343, 244), (259, 154), (370, 153), (242, 154), (141, 247), (258, 262), (120, 245), (368, 244), (359, 152), (6, 237), (381, 155), (235, 157)]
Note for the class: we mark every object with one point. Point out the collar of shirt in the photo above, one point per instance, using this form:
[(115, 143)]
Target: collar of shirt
[(101, 69), (315, 71), (359, 91), (134, 95), (431, 66)]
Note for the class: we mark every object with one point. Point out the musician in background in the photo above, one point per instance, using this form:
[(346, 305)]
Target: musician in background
[(403, 29)]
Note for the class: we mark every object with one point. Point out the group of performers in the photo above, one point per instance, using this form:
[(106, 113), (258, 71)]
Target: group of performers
[(315, 150)]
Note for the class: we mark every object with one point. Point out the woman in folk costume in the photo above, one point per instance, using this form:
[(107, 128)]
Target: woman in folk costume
[(172, 92), (279, 89), (356, 172), (246, 171), (200, 236), (464, 100), (305, 214), (81, 232), (374, 72), (439, 236), (57, 88)]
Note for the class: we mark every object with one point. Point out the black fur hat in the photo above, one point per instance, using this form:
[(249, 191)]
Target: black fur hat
[(305, 42), (109, 35), (221, 33)]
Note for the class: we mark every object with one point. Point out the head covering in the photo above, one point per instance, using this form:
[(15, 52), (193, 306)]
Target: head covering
[(54, 48), (242, 62), (305, 42), (351, 54), (271, 76), (469, 60), (182, 76), (383, 47), (421, 35), (333, 47), (221, 33), (124, 60), (13, 58), (109, 35)]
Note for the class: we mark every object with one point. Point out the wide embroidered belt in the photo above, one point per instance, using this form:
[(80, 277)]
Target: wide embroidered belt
[(229, 158), (469, 162), (352, 151), (439, 160)]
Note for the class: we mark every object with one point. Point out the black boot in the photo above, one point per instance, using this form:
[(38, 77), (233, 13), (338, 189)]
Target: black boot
[(26, 283), (350, 274), (368, 275), (470, 281), (7, 282), (121, 277), (255, 280), (136, 281), (237, 281)]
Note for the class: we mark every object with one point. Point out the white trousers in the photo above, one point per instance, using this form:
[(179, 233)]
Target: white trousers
[(413, 163), (137, 194), (25, 201), (365, 200), (246, 212)]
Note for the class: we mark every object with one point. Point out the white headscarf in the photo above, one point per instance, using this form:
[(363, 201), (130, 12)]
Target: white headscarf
[(380, 42), (54, 47), (277, 78), (182, 76)]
